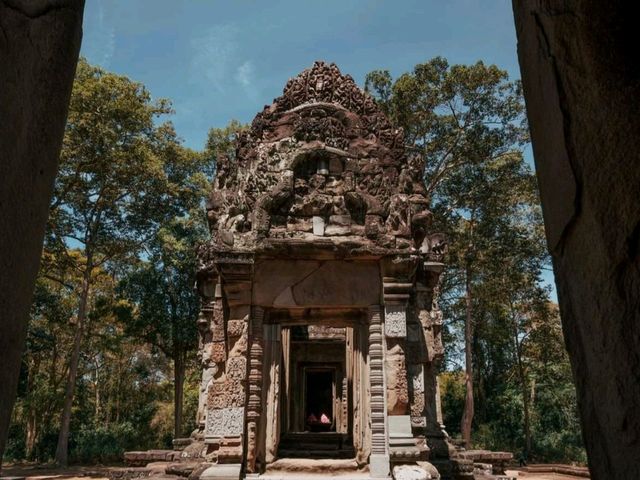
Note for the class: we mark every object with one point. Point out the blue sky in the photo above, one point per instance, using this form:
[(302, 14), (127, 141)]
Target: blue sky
[(221, 60)]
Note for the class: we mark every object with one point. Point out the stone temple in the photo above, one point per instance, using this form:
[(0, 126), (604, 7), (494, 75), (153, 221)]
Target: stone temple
[(320, 332)]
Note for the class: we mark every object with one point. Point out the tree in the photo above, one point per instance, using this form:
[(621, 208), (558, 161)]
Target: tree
[(468, 123), (112, 191), (48, 344), (162, 304), (221, 141)]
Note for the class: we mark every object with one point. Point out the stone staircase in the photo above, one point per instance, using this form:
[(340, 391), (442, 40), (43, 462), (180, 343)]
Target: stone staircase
[(316, 445)]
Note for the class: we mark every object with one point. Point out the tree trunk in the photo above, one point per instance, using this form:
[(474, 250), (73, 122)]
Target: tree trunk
[(526, 404), (32, 420), (527, 420), (98, 411), (467, 414), (179, 373), (32, 433), (65, 421)]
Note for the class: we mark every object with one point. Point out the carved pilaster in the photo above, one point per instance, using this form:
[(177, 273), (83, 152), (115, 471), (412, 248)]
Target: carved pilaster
[(206, 288), (430, 318), (227, 395), (397, 289), (254, 405), (379, 450)]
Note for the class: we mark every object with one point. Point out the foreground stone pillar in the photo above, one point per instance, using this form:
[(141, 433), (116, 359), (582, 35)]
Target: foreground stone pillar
[(39, 49), (581, 79)]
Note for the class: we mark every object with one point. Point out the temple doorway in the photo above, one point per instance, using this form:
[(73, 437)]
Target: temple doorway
[(320, 399), (316, 399)]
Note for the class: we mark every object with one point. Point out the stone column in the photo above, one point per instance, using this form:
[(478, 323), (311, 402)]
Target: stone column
[(285, 401), (379, 459), (580, 79), (254, 405), (430, 323), (397, 289), (361, 395), (214, 355), (271, 394), (227, 395), (206, 288)]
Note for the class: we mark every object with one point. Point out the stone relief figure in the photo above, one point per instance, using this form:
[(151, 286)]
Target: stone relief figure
[(321, 151)]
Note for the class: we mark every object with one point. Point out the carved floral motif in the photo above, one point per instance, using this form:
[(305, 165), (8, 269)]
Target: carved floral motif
[(395, 321), (224, 422), (237, 368)]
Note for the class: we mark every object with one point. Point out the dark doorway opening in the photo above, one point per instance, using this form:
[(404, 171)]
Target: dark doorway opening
[(320, 400)]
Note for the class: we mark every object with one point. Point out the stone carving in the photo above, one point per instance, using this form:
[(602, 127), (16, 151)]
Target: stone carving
[(396, 376), (235, 327), (224, 422), (255, 392), (227, 393), (376, 378), (321, 151), (395, 321), (417, 393), (237, 368), (410, 472), (217, 323), (217, 351), (434, 246), (319, 209)]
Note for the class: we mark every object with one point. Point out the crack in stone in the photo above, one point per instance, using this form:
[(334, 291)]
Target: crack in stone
[(576, 170)]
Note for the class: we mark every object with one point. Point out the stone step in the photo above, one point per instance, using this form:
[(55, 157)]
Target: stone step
[(315, 438), (307, 453), (313, 446), (297, 467), (316, 445)]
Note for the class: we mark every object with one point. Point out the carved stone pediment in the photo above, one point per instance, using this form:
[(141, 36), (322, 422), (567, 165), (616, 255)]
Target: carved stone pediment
[(321, 163)]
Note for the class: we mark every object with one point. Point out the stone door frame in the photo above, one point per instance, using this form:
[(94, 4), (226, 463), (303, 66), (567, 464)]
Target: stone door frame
[(366, 343)]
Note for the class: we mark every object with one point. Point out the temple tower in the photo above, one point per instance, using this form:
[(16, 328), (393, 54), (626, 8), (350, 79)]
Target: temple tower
[(320, 332)]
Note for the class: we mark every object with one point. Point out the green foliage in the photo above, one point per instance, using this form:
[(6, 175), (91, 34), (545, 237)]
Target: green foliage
[(127, 201), (452, 398), (118, 269), (468, 123), (104, 444), (220, 141), (161, 303)]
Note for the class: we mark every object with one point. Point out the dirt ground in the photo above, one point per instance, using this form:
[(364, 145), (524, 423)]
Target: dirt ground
[(48, 472), (542, 476)]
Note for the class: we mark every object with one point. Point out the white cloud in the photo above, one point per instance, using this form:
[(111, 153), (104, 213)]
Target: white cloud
[(214, 54), (218, 63), (244, 74), (98, 44)]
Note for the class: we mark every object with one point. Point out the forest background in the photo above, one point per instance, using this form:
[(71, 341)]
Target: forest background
[(111, 362)]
